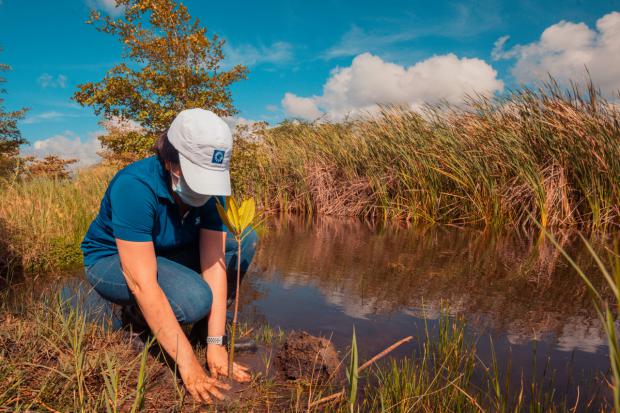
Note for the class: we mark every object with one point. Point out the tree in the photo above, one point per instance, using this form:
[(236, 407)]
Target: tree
[(173, 65), (51, 166), (10, 136)]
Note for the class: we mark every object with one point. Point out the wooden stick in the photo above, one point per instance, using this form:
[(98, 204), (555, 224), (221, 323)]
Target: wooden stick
[(334, 396), (384, 353)]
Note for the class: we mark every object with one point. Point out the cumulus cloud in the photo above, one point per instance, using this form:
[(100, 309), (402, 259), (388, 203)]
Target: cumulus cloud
[(370, 81), (108, 6), (565, 50), (67, 145), (250, 55), (300, 107), (48, 81)]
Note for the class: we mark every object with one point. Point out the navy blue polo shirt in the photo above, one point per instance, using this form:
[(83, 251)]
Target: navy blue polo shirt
[(138, 206)]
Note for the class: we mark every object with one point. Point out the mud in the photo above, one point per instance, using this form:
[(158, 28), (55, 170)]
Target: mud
[(307, 357)]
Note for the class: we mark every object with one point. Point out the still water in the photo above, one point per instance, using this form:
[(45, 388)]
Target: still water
[(326, 277)]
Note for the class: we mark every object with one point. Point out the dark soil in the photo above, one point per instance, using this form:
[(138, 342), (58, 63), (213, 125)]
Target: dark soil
[(304, 356)]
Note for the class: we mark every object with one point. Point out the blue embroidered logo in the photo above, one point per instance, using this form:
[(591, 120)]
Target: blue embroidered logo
[(218, 157)]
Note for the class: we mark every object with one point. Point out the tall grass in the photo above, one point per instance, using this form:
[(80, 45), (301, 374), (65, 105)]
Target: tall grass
[(490, 162), (45, 219)]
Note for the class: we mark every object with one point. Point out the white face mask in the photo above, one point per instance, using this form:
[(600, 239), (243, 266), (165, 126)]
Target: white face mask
[(186, 194)]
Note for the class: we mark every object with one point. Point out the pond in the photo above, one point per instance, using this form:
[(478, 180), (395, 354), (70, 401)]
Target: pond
[(326, 277)]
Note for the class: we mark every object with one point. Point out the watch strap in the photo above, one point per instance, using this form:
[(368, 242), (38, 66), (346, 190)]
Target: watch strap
[(219, 340)]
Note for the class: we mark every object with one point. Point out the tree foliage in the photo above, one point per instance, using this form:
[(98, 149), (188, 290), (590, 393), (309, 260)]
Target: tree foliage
[(10, 136), (52, 166), (171, 64)]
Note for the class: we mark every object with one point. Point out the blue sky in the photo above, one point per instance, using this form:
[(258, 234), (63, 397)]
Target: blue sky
[(366, 50)]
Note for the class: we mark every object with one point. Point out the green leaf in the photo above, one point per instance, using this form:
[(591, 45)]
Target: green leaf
[(352, 373)]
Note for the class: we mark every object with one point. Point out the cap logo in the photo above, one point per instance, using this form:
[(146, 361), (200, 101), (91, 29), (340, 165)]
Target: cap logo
[(218, 157)]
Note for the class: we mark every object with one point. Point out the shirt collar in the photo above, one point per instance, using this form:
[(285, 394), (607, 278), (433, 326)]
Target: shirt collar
[(161, 175)]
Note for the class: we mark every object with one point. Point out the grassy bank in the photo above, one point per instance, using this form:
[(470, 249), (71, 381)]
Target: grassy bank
[(489, 163), (43, 220), (51, 362)]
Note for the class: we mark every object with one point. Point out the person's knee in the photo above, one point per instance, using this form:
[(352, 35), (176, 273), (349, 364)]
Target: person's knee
[(197, 303)]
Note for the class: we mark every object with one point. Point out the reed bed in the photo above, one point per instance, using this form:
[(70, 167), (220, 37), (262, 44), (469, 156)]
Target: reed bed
[(44, 219), (547, 152)]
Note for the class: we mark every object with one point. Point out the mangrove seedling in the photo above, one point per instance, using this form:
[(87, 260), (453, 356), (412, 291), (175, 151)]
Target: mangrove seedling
[(239, 220)]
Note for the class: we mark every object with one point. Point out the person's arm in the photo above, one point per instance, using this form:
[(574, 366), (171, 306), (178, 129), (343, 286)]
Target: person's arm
[(139, 265), (213, 265)]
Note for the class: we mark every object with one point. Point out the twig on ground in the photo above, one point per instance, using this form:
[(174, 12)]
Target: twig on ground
[(380, 355)]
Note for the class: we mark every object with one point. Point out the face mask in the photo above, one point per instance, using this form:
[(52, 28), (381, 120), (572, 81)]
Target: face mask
[(184, 192)]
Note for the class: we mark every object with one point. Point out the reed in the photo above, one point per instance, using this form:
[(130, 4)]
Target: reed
[(490, 162), (45, 218)]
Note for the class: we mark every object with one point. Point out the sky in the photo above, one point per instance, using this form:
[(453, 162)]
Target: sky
[(322, 59)]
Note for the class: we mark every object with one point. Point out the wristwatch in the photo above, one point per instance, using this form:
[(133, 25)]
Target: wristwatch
[(219, 340)]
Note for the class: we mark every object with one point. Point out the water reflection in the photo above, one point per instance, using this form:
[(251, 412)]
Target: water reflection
[(326, 276)]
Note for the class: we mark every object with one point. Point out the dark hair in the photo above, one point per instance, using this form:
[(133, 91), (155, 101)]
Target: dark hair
[(164, 149)]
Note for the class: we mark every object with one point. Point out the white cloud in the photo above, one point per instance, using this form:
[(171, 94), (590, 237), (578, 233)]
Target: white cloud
[(47, 116), (67, 145), (234, 121), (565, 50), (48, 81), (249, 55), (109, 6), (300, 107), (370, 81)]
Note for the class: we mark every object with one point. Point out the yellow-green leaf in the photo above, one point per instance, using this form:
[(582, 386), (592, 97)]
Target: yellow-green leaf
[(247, 216), (222, 213), (233, 212)]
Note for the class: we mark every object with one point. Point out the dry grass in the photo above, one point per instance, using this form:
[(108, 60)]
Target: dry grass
[(45, 218), (490, 163), (52, 360)]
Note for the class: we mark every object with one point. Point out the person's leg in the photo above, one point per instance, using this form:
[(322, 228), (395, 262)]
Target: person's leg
[(79, 295), (190, 257), (95, 300), (188, 294)]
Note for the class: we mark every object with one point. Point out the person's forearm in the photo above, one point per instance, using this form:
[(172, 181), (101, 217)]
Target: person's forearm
[(164, 325), (216, 278), (213, 264)]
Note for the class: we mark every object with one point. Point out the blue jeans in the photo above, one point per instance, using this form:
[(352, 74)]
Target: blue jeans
[(178, 275)]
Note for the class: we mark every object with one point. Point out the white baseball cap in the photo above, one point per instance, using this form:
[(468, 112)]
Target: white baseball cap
[(204, 142)]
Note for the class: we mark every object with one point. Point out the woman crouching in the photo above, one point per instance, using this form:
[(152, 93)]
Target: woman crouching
[(158, 247)]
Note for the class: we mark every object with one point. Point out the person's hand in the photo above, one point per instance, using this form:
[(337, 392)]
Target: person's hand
[(217, 360), (200, 385)]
